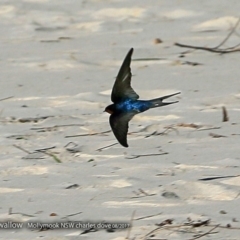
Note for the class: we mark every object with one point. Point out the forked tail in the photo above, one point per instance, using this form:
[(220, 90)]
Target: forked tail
[(158, 102)]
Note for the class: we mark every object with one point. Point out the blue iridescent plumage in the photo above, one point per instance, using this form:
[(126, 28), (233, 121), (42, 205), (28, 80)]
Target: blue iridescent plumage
[(125, 102), (133, 105)]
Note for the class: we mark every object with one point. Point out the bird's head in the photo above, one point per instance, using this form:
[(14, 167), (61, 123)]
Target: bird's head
[(110, 109)]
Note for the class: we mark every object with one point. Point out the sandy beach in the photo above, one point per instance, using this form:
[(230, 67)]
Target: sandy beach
[(60, 162)]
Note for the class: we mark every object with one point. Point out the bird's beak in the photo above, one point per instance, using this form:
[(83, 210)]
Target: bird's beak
[(168, 96), (108, 111)]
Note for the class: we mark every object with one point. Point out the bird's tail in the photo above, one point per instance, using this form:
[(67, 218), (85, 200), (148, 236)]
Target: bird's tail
[(158, 102)]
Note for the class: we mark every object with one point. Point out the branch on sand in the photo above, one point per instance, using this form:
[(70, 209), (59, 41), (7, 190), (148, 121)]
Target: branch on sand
[(218, 48)]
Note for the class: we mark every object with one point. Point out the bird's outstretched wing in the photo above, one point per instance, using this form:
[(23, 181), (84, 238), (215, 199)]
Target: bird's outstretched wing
[(119, 125), (122, 87)]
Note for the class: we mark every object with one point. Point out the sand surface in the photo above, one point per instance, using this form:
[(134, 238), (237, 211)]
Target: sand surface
[(58, 63)]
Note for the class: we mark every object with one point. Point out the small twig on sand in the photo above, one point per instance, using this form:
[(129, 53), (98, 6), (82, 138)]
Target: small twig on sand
[(24, 150), (208, 49), (71, 215), (199, 223), (217, 177), (147, 59), (6, 98), (73, 143), (51, 155), (216, 49), (100, 149), (225, 114), (189, 125), (10, 212), (211, 128), (33, 119), (55, 126), (45, 149), (167, 225), (145, 194), (160, 225), (215, 135), (168, 128), (149, 216), (92, 229), (226, 227), (229, 35), (206, 233), (131, 224), (146, 155), (89, 134), (41, 151)]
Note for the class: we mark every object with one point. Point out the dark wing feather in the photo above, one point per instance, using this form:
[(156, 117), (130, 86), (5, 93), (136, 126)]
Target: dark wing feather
[(122, 87), (119, 125)]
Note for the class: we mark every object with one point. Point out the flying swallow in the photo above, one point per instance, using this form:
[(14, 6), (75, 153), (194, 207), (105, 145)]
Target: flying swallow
[(125, 102)]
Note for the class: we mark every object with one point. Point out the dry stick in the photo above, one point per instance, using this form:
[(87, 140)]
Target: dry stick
[(99, 149), (225, 227), (55, 126), (161, 225), (149, 195), (178, 226), (147, 59), (190, 125), (74, 214), (89, 134), (166, 225), (146, 155), (168, 128), (156, 133), (70, 143), (216, 49), (44, 149), (24, 150), (131, 224), (235, 46), (51, 155), (16, 137), (40, 150), (172, 128), (209, 225), (71, 215), (153, 231), (158, 228), (6, 98), (207, 48), (149, 216), (142, 192), (199, 224), (204, 234), (215, 135), (225, 114), (229, 35), (217, 177), (10, 212), (205, 129), (32, 119)]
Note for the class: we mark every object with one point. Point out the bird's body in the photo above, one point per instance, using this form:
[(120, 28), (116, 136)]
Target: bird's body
[(125, 102), (130, 105)]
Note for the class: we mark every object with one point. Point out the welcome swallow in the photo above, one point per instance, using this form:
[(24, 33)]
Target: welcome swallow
[(125, 102)]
